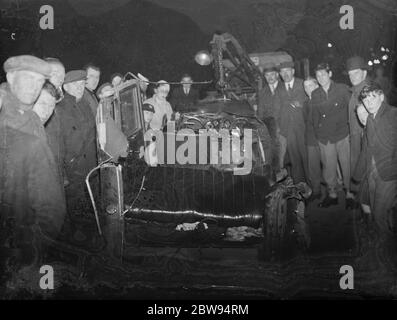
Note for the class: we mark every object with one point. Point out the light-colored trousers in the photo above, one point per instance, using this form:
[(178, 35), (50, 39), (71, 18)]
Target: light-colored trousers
[(331, 154)]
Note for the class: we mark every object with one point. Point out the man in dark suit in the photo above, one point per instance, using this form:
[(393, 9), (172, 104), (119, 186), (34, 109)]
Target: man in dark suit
[(269, 109), (313, 149), (292, 124), (377, 164), (184, 96), (78, 137), (357, 70)]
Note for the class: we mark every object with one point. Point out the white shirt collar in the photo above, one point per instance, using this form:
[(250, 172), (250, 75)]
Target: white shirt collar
[(291, 83)]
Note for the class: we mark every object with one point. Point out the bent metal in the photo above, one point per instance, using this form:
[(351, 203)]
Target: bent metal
[(228, 152)]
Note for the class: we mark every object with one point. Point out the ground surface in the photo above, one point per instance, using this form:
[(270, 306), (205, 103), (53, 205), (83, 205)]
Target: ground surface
[(338, 237)]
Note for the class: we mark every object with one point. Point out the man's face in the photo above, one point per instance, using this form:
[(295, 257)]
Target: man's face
[(271, 77), (57, 74), (116, 81), (287, 74), (147, 115), (92, 79), (76, 88), (44, 106), (25, 85), (357, 76), (373, 101), (187, 82), (323, 77), (310, 86)]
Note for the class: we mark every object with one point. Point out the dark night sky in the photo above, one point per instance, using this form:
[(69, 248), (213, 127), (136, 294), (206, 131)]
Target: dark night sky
[(159, 38)]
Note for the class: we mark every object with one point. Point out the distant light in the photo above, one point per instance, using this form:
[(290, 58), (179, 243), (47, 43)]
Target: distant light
[(370, 63), (385, 57), (382, 49), (329, 45), (203, 58), (387, 49), (376, 61)]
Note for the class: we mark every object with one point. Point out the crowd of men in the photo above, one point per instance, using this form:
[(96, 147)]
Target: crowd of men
[(48, 145), (327, 132), (335, 135)]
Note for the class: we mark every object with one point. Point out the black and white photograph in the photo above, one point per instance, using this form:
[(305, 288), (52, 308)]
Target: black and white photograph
[(197, 155)]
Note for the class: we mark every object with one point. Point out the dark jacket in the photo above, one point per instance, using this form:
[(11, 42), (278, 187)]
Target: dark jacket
[(379, 143), (91, 100), (330, 113), (181, 101), (54, 138), (291, 118), (269, 103), (355, 126), (310, 136), (78, 138), (32, 201)]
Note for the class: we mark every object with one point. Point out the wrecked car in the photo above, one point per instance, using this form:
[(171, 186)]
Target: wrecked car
[(215, 181)]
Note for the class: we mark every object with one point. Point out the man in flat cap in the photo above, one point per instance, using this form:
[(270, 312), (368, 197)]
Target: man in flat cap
[(292, 124), (269, 109), (78, 138), (32, 202), (357, 70)]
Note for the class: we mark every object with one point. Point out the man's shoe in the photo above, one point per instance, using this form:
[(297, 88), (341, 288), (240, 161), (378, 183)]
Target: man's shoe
[(314, 196), (351, 204), (327, 202)]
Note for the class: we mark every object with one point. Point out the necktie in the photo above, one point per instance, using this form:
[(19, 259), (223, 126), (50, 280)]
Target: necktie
[(289, 87)]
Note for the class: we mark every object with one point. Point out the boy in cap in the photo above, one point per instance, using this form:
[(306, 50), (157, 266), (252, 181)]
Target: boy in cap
[(148, 112), (31, 195)]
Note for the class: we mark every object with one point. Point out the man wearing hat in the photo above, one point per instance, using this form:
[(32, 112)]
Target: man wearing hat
[(148, 112), (162, 108), (78, 140), (31, 196), (357, 70), (269, 108), (292, 124)]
